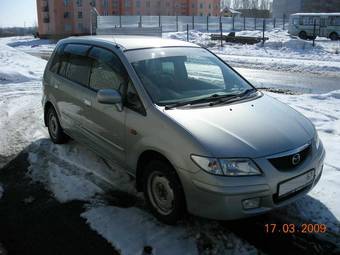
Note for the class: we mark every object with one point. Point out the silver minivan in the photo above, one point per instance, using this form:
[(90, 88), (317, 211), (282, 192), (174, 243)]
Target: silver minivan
[(196, 135)]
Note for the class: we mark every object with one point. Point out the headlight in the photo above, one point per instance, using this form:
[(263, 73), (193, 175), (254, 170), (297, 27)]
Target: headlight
[(210, 165), (227, 167), (239, 167), (316, 140)]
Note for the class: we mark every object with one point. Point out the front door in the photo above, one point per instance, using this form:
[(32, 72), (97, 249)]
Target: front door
[(105, 125)]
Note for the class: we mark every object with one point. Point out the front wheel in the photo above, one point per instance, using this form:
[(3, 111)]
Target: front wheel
[(163, 192), (56, 132), (303, 35), (334, 36)]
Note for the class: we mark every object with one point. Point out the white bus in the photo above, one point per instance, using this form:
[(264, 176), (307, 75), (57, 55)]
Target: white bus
[(327, 25)]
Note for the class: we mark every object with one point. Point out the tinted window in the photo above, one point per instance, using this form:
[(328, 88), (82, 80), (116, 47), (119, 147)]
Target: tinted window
[(77, 49), (132, 100), (107, 70), (75, 65), (56, 60)]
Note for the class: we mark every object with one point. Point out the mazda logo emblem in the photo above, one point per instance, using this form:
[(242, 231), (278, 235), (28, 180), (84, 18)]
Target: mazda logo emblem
[(296, 159)]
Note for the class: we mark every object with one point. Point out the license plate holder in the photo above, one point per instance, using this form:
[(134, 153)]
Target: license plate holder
[(296, 183)]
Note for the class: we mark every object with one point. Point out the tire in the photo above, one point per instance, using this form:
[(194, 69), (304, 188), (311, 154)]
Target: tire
[(303, 35), (334, 36), (55, 130), (163, 192)]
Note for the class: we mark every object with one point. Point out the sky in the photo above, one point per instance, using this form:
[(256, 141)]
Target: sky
[(18, 13)]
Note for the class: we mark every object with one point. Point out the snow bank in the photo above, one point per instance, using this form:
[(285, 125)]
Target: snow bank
[(18, 67), (280, 52), (21, 119)]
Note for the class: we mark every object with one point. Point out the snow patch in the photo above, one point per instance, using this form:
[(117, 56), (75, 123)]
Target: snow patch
[(131, 229), (71, 172)]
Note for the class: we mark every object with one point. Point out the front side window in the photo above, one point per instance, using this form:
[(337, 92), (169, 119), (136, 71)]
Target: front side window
[(172, 75), (132, 100), (107, 70), (296, 21), (76, 65), (334, 21)]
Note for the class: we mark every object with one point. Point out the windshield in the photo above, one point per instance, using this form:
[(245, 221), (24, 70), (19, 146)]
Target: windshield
[(172, 75)]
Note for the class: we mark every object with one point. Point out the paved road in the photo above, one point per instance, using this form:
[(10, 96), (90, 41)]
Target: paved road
[(300, 82)]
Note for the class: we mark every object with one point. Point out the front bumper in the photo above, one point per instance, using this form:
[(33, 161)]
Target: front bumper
[(220, 197)]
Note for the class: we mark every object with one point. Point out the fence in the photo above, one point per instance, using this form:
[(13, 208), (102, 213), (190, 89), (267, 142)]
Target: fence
[(180, 23)]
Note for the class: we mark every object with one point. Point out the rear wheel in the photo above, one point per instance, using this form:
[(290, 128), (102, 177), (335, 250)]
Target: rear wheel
[(56, 132), (163, 192), (334, 36), (303, 35)]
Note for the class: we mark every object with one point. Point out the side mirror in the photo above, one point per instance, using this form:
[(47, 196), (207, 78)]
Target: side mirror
[(109, 96)]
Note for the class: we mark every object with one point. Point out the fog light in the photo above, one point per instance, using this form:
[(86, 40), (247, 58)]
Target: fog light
[(251, 203)]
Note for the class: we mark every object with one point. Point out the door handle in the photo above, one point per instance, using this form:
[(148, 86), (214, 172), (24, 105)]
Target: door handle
[(87, 102)]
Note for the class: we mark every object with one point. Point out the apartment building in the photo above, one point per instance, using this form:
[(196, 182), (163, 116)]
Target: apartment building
[(73, 17)]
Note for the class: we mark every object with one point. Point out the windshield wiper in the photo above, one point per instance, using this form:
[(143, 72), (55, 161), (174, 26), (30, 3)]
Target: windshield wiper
[(235, 97), (198, 101)]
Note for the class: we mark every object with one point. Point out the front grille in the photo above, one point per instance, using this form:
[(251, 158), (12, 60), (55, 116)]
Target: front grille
[(286, 163)]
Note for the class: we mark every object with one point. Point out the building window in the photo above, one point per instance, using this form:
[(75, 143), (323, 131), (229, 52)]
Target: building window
[(148, 4), (80, 27), (138, 3), (80, 15), (201, 5), (209, 6), (127, 3), (66, 15), (93, 3), (68, 27), (66, 2), (79, 3)]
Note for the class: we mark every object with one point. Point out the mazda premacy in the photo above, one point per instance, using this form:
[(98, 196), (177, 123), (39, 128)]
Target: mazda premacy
[(195, 134)]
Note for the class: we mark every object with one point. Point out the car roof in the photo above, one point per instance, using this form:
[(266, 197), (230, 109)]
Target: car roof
[(129, 42), (317, 14)]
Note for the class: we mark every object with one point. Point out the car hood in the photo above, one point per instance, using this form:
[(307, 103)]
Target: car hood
[(255, 128)]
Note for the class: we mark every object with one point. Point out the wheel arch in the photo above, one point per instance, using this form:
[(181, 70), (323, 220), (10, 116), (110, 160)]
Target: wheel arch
[(143, 159), (333, 33)]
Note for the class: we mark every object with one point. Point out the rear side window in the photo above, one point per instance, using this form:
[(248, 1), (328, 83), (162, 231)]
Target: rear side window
[(76, 66), (107, 70)]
